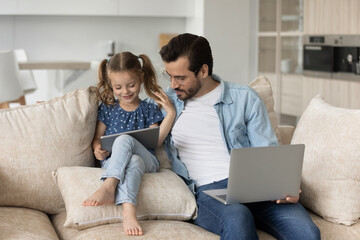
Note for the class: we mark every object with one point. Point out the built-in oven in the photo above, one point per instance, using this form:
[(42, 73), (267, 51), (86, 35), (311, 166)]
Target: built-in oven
[(332, 56), (318, 57)]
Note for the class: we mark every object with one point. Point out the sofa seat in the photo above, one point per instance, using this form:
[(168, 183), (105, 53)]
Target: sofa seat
[(154, 229), (335, 231), (24, 223)]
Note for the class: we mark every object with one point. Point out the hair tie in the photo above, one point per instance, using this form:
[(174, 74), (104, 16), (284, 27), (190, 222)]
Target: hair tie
[(141, 61), (108, 60)]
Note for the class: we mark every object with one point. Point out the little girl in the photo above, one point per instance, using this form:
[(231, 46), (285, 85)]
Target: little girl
[(121, 76)]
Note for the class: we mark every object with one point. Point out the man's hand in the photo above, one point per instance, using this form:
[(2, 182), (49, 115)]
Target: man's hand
[(289, 199)]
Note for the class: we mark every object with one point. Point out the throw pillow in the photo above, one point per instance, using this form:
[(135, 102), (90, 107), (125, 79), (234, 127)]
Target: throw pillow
[(162, 195), (263, 87), (331, 169), (36, 139)]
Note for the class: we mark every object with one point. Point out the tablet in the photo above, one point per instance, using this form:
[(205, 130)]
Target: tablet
[(149, 137)]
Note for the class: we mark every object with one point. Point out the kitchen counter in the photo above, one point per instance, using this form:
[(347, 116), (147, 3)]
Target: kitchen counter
[(69, 65)]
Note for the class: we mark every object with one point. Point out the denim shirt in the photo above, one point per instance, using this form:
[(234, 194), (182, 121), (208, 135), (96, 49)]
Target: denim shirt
[(244, 122)]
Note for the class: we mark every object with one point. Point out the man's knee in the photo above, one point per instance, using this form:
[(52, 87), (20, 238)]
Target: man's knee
[(238, 215)]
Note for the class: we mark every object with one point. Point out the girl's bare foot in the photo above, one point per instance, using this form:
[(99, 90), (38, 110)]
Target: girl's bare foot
[(104, 195), (130, 224)]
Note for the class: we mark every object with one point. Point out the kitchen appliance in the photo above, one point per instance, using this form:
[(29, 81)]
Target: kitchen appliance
[(332, 56), (318, 56)]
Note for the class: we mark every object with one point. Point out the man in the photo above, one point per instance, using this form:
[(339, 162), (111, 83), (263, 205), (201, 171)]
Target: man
[(213, 117)]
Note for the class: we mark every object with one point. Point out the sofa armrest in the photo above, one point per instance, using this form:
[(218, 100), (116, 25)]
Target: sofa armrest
[(286, 133)]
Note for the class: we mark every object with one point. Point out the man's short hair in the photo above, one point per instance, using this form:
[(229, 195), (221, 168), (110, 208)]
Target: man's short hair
[(195, 48)]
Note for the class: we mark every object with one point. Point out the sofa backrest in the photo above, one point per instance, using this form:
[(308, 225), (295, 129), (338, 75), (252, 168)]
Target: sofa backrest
[(37, 139)]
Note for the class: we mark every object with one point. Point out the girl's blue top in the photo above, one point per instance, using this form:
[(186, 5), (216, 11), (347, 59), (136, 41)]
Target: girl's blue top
[(118, 120)]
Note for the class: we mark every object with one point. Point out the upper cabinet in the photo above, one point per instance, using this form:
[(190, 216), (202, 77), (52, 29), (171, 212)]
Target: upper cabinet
[(8, 7), (158, 8), (280, 36), (332, 17)]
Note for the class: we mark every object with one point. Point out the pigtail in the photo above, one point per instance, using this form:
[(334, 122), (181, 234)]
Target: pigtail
[(150, 81), (104, 90)]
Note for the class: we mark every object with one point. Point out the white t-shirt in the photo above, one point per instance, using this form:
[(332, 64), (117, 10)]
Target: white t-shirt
[(196, 135)]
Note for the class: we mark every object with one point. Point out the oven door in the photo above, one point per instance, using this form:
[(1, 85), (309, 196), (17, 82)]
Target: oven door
[(318, 58)]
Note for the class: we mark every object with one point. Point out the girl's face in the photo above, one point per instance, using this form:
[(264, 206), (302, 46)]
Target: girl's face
[(126, 86)]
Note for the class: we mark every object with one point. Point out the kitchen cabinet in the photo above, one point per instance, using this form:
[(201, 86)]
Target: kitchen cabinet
[(67, 7), (156, 8), (291, 92), (340, 93), (150, 8), (332, 16), (8, 7), (280, 51)]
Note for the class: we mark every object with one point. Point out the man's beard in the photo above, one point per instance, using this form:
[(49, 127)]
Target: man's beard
[(191, 92)]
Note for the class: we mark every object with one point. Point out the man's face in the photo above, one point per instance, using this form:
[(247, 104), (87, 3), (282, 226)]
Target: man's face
[(183, 81)]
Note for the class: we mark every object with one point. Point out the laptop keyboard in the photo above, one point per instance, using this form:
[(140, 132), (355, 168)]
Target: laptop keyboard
[(222, 196)]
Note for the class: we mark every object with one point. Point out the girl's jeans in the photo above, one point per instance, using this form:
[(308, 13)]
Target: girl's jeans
[(239, 221), (128, 162)]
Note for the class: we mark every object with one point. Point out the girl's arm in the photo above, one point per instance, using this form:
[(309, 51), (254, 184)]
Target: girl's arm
[(96, 143), (167, 122)]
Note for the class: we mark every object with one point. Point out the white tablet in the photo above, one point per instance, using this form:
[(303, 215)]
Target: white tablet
[(149, 137)]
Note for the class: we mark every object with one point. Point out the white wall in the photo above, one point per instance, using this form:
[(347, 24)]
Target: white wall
[(227, 26), (81, 38), (84, 38)]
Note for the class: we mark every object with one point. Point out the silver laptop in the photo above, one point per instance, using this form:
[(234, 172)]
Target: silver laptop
[(149, 137), (262, 173)]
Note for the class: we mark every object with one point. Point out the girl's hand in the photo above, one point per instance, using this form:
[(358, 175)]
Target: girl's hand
[(167, 122), (99, 153), (165, 102)]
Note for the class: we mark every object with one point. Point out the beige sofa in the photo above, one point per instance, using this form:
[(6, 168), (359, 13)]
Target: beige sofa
[(47, 169)]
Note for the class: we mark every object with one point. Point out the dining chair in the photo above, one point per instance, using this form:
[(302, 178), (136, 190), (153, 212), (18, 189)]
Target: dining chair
[(10, 87)]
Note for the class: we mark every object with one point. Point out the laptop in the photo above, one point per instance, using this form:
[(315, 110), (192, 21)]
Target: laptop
[(149, 137), (262, 173)]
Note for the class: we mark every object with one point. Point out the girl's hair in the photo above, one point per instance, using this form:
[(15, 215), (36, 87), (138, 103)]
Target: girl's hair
[(140, 66)]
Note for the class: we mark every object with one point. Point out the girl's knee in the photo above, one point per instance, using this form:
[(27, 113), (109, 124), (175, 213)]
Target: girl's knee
[(137, 162), (124, 139)]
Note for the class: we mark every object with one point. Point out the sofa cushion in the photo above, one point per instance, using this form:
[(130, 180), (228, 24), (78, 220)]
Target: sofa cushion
[(162, 195), (24, 223), (37, 139), (263, 87), (153, 230), (331, 170)]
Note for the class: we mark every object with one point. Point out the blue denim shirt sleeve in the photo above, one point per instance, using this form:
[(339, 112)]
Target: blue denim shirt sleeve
[(244, 118)]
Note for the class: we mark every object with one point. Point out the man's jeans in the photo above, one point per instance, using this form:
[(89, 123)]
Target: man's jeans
[(128, 162), (239, 221)]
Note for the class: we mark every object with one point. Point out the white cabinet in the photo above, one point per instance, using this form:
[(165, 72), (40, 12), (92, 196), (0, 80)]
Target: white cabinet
[(146, 8), (156, 8), (8, 7), (67, 7)]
